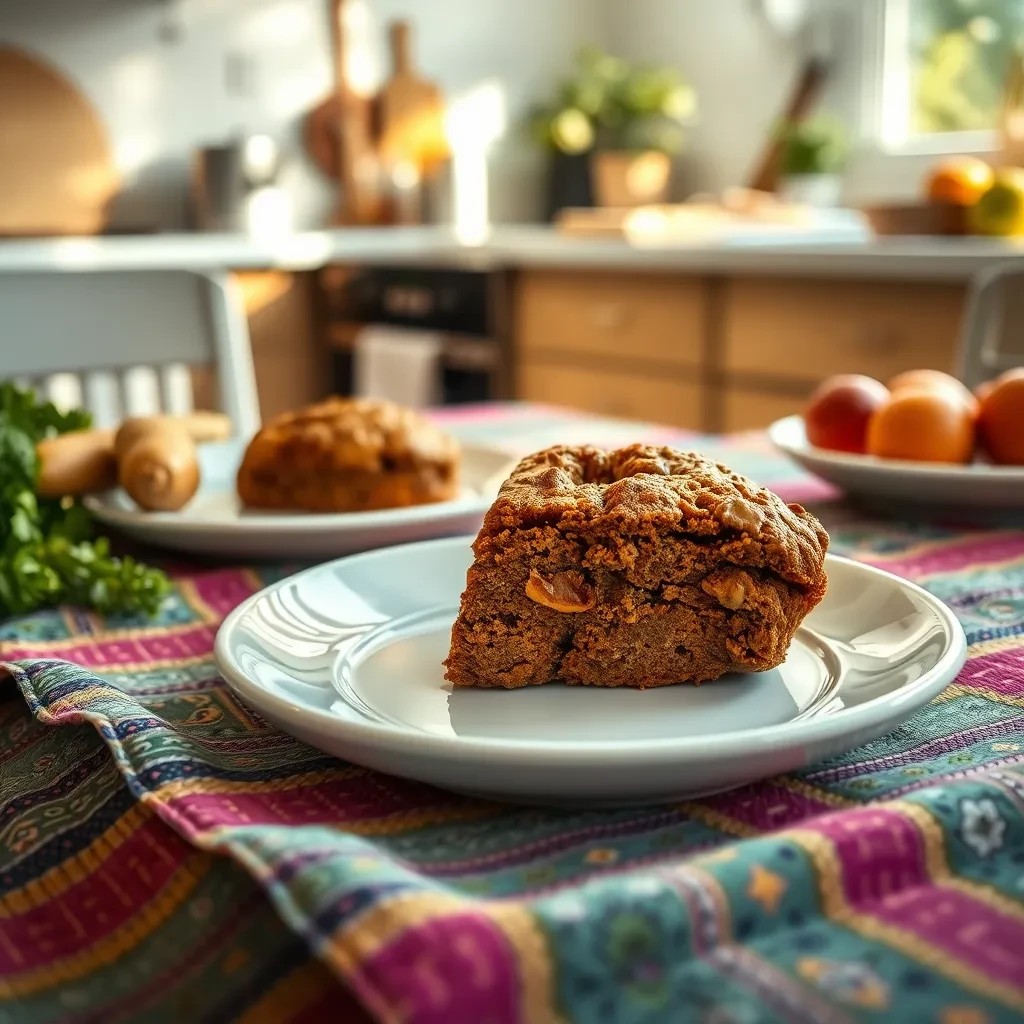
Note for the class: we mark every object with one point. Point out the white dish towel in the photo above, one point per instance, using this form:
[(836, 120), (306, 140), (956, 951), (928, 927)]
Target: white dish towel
[(398, 363)]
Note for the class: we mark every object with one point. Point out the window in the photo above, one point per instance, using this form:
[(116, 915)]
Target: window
[(944, 68)]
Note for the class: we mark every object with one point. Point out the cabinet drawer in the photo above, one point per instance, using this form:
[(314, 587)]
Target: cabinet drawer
[(751, 409), (811, 329), (631, 316), (629, 396)]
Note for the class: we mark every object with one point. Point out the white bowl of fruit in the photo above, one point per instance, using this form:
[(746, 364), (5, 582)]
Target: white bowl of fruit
[(923, 438)]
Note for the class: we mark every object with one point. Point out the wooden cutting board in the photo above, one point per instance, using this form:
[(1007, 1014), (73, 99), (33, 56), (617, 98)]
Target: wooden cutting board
[(338, 138), (410, 111), (57, 171), (323, 121)]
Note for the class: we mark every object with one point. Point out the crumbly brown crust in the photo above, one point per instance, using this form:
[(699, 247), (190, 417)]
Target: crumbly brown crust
[(348, 455), (639, 567)]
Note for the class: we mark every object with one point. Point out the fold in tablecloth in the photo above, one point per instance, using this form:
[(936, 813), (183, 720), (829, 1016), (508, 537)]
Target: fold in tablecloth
[(886, 884), (107, 915)]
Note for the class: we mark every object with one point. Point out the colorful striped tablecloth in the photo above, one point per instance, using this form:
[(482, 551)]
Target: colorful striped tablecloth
[(167, 856)]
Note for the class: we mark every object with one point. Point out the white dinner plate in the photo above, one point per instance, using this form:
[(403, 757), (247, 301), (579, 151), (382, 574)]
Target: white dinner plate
[(898, 480), (347, 657), (214, 522)]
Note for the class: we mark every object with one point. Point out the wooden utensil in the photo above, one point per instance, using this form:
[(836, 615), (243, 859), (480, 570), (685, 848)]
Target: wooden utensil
[(337, 134), (410, 111), (801, 101), (321, 128), (57, 171)]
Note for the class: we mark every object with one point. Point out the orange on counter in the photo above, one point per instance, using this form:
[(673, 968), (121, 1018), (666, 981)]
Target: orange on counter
[(1001, 421), (923, 425), (932, 379), (960, 180)]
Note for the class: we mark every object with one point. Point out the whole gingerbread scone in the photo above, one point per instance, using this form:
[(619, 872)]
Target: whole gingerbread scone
[(637, 567), (349, 455)]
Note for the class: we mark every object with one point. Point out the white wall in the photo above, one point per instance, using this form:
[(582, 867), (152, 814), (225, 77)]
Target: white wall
[(742, 69), (161, 99)]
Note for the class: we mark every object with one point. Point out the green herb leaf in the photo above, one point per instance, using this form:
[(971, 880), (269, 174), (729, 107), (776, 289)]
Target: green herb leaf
[(47, 555)]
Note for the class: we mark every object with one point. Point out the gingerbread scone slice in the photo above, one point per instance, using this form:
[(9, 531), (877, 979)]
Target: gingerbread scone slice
[(638, 567), (349, 455)]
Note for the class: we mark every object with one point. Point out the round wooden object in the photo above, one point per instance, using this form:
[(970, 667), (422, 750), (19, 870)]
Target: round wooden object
[(57, 172)]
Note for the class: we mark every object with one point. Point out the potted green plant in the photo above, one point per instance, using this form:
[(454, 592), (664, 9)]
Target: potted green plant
[(619, 123), (814, 153)]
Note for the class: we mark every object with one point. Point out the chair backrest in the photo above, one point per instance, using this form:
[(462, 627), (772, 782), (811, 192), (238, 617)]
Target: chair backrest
[(120, 342), (992, 337)]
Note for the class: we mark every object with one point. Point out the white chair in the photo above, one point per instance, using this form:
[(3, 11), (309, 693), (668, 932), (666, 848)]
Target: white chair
[(121, 342), (992, 338)]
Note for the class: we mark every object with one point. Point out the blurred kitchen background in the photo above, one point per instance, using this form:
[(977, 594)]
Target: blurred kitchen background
[(685, 212)]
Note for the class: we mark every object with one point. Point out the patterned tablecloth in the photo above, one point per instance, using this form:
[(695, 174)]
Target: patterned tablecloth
[(165, 855)]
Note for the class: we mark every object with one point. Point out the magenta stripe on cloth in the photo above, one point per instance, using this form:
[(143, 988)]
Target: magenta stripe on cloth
[(880, 852), (971, 932), (327, 801), (56, 926), (191, 642), (1001, 672), (222, 591), (884, 873), (971, 551), (768, 806), (807, 492), (453, 968)]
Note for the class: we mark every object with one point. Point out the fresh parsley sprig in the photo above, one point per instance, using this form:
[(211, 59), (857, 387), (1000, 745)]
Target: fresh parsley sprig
[(47, 552)]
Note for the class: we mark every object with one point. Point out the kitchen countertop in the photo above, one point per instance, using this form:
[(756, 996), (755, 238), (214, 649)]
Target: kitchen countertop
[(513, 247)]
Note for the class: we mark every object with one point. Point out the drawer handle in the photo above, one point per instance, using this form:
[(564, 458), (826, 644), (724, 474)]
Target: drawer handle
[(610, 316)]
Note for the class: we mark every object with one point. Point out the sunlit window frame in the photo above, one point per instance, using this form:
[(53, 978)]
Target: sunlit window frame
[(887, 89)]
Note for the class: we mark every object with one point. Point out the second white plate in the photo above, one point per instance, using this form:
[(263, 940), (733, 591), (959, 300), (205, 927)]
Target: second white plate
[(347, 657), (214, 522), (896, 480)]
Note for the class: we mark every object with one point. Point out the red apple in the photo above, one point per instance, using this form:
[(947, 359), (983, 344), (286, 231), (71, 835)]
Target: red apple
[(838, 412)]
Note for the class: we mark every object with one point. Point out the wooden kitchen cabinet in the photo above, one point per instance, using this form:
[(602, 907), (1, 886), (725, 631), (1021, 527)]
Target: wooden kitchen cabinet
[(287, 355), (675, 401), (626, 345), (654, 318), (288, 358), (719, 354), (808, 330)]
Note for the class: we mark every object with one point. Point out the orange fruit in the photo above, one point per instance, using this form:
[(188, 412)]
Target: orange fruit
[(923, 425), (960, 180), (983, 390), (1001, 421), (934, 379)]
